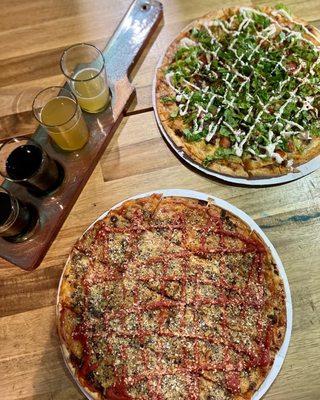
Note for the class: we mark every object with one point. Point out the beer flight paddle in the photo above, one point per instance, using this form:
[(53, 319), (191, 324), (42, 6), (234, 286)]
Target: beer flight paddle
[(52, 189)]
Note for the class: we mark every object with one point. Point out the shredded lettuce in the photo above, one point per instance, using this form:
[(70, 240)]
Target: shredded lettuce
[(264, 89), (281, 6), (220, 154)]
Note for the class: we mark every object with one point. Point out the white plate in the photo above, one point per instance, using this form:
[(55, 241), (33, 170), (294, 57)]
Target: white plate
[(302, 170), (278, 361)]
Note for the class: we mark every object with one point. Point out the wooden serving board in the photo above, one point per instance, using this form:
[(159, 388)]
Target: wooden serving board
[(121, 53)]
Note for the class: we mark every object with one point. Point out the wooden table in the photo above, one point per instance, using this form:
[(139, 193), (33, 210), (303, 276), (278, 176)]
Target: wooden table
[(32, 37)]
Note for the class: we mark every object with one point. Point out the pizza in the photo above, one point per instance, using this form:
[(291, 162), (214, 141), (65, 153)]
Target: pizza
[(239, 92), (171, 298)]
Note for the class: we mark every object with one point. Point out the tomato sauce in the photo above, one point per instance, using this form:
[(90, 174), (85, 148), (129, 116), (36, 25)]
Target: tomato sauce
[(229, 295)]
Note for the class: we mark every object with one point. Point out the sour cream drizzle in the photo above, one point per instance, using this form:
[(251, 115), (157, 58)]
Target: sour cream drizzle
[(241, 137)]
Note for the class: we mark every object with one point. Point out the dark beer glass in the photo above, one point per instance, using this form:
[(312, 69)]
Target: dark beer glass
[(17, 219), (24, 161)]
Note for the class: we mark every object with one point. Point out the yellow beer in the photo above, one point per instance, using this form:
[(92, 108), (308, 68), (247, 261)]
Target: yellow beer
[(65, 123), (91, 90)]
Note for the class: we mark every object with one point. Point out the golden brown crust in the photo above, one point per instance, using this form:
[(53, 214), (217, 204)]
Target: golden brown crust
[(182, 230), (197, 151)]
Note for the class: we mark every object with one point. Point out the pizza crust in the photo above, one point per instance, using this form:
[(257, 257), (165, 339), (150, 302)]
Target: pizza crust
[(260, 169)]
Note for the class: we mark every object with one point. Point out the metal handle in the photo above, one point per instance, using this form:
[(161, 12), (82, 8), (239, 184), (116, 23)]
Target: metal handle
[(135, 28)]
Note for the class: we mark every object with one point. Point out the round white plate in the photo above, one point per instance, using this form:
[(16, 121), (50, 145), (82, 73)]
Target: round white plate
[(302, 170), (278, 361)]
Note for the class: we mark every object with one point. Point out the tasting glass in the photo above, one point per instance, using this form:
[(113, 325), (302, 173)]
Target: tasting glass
[(57, 109), (24, 161), (17, 219), (83, 65)]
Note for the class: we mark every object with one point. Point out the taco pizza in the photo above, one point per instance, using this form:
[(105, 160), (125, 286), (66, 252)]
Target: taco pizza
[(239, 92)]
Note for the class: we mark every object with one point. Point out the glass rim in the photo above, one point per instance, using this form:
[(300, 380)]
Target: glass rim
[(55, 87), (33, 143), (14, 213), (81, 45)]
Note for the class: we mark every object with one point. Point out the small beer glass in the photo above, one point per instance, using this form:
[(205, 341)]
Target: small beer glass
[(17, 219), (57, 109), (83, 65), (24, 161)]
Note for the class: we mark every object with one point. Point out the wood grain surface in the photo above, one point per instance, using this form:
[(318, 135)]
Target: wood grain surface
[(32, 35)]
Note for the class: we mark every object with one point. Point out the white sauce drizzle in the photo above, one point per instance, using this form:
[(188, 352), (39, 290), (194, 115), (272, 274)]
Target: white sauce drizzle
[(264, 35), (288, 16), (168, 77), (214, 130), (218, 22), (183, 111), (277, 157), (192, 85), (187, 42)]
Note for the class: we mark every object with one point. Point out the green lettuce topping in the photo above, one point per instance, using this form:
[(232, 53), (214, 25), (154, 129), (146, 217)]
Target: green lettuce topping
[(249, 81)]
